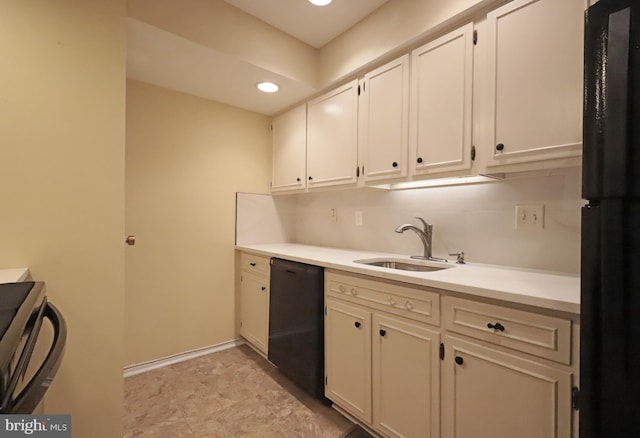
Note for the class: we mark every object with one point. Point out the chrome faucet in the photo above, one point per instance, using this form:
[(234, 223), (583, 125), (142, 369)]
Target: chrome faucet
[(425, 236)]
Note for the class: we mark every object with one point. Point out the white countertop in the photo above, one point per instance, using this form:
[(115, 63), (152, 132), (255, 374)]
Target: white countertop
[(13, 275), (548, 290)]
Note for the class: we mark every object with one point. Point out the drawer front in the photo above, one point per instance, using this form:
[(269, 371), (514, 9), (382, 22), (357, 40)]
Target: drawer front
[(254, 263), (416, 304), (539, 335)]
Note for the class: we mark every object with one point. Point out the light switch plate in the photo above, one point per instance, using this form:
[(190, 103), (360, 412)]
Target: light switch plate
[(530, 217), (358, 218)]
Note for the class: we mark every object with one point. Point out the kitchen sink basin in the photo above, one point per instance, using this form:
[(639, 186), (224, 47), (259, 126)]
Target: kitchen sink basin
[(406, 265)]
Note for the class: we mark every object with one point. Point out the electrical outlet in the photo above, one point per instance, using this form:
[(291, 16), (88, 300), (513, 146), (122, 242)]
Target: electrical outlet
[(530, 217), (334, 215), (358, 218)]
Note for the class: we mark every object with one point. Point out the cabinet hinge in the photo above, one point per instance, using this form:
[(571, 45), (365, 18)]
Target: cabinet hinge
[(358, 90), (473, 153), (326, 381), (475, 37), (575, 398), (441, 351), (241, 278), (271, 126), (325, 310), (358, 172)]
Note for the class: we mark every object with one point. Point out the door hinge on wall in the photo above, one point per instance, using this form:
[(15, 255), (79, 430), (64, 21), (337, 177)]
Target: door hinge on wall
[(441, 351), (575, 398), (475, 37)]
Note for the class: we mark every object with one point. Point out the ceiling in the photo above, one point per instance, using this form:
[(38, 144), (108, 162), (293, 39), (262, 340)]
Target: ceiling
[(314, 25), (163, 58)]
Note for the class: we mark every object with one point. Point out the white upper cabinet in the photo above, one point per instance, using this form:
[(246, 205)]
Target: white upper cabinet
[(290, 150), (332, 137), (534, 81), (384, 112), (441, 104)]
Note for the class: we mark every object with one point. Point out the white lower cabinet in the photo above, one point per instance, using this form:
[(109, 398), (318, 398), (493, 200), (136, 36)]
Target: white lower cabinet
[(405, 375), (500, 372), (254, 301), (381, 368), (348, 358), (487, 393)]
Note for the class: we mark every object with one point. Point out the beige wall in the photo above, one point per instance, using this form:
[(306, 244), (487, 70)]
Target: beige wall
[(395, 25), (186, 158), (62, 92)]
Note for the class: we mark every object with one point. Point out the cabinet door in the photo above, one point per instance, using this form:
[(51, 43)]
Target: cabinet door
[(535, 52), (406, 386), (332, 137), (348, 358), (487, 393), (441, 104), (254, 310), (290, 150), (384, 124)]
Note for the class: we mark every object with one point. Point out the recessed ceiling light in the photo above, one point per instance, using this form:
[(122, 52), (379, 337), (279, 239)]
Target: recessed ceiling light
[(267, 87), (320, 2)]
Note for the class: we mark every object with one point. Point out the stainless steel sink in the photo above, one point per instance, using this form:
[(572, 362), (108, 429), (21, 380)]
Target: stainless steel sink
[(405, 265)]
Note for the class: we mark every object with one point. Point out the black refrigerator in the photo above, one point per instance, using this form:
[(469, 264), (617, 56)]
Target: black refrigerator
[(610, 263)]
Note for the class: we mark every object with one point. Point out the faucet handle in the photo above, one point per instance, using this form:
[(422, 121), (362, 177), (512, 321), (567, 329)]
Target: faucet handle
[(460, 256), (427, 227)]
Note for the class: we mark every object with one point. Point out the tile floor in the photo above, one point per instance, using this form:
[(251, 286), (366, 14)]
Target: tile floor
[(232, 393)]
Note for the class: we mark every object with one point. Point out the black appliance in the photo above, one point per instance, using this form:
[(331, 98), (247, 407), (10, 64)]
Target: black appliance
[(23, 308), (610, 265), (296, 323)]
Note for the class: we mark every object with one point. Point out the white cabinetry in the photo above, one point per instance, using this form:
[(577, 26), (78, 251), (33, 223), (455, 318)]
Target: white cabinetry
[(419, 119), (405, 373), (441, 104), (489, 390), (499, 371), (254, 300), (290, 150), (381, 359), (534, 81), (384, 112), (348, 358), (332, 137)]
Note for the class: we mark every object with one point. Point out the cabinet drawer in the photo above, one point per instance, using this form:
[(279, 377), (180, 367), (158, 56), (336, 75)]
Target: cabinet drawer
[(254, 263), (416, 304), (539, 335)]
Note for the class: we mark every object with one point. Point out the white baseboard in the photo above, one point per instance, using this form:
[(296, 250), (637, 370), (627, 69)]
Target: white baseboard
[(132, 370)]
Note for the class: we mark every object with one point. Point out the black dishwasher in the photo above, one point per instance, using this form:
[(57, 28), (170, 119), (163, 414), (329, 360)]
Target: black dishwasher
[(296, 323)]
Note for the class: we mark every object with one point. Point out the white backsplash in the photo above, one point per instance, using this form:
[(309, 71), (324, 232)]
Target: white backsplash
[(477, 219)]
